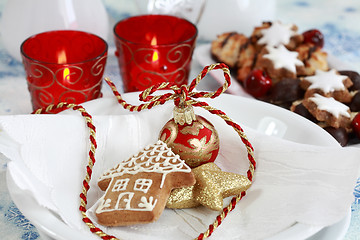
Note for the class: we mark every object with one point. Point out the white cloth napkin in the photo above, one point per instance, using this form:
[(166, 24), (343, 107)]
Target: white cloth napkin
[(293, 182)]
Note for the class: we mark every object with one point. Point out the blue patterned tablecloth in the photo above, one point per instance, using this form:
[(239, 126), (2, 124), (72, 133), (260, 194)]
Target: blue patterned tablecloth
[(339, 20)]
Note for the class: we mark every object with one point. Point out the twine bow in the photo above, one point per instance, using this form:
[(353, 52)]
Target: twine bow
[(183, 96)]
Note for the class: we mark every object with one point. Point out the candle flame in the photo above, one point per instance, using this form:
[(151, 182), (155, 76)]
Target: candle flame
[(66, 74), (155, 56)]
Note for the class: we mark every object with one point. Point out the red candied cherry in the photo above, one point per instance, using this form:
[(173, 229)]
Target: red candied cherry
[(257, 83), (356, 125), (315, 37)]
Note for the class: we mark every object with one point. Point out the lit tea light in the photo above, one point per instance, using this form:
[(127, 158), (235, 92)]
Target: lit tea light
[(67, 71), (155, 56), (62, 59), (160, 50)]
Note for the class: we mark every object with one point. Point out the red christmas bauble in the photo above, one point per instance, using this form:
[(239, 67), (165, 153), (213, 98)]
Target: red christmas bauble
[(196, 143)]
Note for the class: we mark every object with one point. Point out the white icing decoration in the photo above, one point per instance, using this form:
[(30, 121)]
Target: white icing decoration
[(120, 185), (170, 163), (103, 204), (144, 205), (330, 105), (277, 34), (126, 200), (148, 205), (327, 81), (283, 58), (142, 185)]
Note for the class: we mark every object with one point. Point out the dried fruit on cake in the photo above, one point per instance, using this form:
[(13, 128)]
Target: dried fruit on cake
[(257, 83), (315, 37)]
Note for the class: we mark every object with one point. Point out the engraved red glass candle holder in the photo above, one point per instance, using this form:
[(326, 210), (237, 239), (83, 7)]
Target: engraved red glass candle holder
[(64, 66), (153, 49)]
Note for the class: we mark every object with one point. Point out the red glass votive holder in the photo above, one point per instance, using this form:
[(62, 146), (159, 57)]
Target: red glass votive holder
[(153, 49), (64, 66)]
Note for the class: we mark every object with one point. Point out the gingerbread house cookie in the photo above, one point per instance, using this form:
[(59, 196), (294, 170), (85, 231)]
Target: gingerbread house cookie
[(137, 189)]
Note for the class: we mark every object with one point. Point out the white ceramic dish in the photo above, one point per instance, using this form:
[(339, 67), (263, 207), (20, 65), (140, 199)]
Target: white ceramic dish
[(257, 114)]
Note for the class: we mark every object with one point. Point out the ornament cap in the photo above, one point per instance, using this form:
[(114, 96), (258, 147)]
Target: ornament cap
[(184, 115)]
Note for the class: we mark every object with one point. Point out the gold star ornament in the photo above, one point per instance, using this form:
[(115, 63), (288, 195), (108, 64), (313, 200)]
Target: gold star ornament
[(211, 187)]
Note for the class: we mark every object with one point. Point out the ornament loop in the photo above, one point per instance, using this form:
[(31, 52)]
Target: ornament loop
[(183, 96), (184, 115)]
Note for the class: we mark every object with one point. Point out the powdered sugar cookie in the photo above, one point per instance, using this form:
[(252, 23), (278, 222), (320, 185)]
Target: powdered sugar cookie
[(279, 62), (275, 34), (328, 110), (328, 83)]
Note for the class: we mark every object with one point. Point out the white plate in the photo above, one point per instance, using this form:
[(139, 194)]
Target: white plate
[(202, 53), (257, 113)]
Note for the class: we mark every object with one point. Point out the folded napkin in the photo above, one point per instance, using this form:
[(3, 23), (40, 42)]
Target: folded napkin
[(293, 183)]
